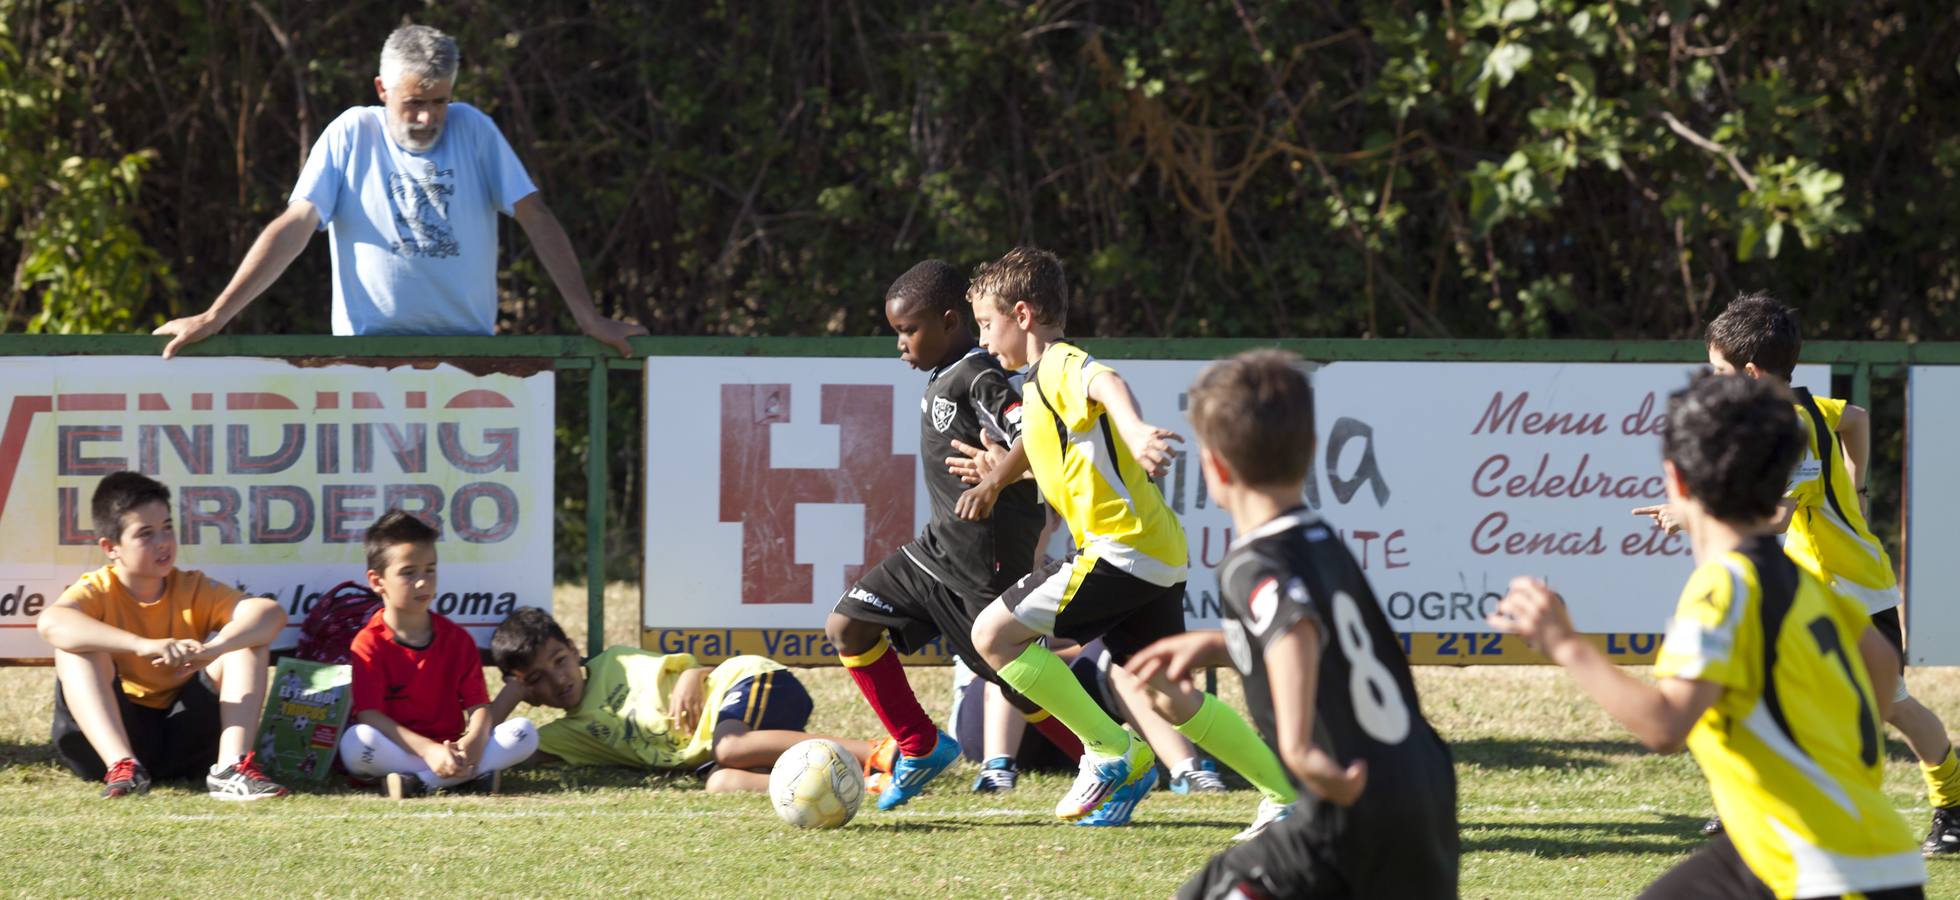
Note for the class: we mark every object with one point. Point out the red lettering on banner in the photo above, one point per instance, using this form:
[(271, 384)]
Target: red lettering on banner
[(295, 497), (20, 417), (241, 461), (199, 507), (764, 499), (1499, 416), (475, 398), (68, 528), (68, 450), (326, 400), (152, 403), (193, 448), (258, 400), (91, 402)]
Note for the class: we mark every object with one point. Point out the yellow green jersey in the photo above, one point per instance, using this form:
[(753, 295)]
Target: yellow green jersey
[(1087, 475), (1828, 533), (1793, 746), (622, 719)]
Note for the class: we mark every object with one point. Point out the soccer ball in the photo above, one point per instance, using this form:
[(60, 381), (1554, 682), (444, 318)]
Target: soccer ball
[(816, 784)]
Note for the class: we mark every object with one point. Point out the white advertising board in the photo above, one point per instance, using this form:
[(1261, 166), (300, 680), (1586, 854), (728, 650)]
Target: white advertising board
[(1932, 488), (1445, 479), (275, 470)]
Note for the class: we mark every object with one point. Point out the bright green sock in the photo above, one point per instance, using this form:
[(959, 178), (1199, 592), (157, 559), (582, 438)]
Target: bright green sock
[(1041, 676), (1220, 731), (1943, 781)]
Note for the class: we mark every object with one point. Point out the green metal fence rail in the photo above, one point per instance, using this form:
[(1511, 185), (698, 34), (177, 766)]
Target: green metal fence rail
[(1859, 361)]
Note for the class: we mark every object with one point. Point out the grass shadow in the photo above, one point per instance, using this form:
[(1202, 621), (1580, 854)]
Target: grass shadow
[(1670, 834), (1540, 753)]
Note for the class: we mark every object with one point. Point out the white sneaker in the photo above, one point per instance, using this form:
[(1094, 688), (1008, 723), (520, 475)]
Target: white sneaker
[(1270, 813), (1100, 776)]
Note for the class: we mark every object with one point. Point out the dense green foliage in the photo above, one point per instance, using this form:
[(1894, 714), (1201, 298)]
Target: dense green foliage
[(1470, 168)]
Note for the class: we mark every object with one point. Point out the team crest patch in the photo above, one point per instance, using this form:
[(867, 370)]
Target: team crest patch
[(942, 413)]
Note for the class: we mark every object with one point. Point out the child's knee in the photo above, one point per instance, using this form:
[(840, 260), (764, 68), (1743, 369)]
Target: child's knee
[(850, 636)]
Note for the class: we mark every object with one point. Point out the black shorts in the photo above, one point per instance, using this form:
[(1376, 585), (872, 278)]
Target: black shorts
[(178, 742), (1887, 623), (916, 608), (773, 701), (1407, 847), (1082, 601), (1717, 872)]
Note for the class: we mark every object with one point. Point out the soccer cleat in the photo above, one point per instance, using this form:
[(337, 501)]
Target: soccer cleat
[(1712, 827), (997, 777), (1202, 779), (242, 781), (884, 755), (911, 774), (402, 785), (126, 777), (1121, 805), (1944, 837), (1270, 814), (1100, 776)]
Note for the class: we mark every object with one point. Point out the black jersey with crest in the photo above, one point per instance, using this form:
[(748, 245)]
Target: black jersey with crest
[(1295, 567), (977, 560)]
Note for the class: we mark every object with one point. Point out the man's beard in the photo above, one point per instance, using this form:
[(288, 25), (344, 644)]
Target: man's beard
[(415, 140)]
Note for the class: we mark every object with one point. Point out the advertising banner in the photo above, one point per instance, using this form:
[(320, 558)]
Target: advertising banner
[(275, 469), (1445, 479)]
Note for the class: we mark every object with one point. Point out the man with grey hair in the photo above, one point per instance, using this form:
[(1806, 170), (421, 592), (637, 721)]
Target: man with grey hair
[(408, 192)]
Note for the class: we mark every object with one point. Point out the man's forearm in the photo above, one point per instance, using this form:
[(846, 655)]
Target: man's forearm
[(271, 254), (554, 249)]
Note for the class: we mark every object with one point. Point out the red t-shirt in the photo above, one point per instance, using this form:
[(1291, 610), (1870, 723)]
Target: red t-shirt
[(424, 690)]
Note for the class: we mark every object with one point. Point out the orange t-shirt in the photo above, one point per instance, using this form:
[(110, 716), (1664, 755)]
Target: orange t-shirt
[(192, 607)]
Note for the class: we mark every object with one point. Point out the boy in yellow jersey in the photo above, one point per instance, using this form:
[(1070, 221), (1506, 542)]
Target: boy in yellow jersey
[(631, 707), (1823, 516), (1093, 456), (1775, 682)]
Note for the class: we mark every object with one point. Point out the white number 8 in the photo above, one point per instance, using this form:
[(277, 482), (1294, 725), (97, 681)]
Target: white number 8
[(1372, 691)]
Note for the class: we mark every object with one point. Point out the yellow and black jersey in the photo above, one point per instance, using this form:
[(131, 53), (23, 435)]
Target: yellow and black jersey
[(1113, 510), (1828, 533), (1792, 748)]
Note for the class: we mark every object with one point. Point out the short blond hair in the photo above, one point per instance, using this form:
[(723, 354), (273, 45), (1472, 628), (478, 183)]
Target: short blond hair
[(1028, 275)]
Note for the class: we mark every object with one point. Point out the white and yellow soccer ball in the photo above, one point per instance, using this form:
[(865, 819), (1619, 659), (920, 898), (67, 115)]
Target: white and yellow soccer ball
[(816, 784)]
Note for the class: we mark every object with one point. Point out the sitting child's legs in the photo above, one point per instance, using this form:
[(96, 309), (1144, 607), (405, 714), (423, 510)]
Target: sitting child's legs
[(367, 753), (88, 729), (241, 677)]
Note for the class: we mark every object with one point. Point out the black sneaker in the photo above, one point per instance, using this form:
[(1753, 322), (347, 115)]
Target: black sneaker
[(401, 786), (1712, 827), (242, 781), (126, 777), (1944, 837), (998, 776)]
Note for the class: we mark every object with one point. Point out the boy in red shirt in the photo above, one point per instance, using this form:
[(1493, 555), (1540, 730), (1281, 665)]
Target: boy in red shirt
[(421, 711)]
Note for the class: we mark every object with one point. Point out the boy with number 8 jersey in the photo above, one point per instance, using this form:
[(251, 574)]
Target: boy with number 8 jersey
[(1325, 677)]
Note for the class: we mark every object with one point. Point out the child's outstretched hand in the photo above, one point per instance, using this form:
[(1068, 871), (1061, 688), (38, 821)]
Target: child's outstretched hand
[(1536, 612), (1151, 447), (1662, 516)]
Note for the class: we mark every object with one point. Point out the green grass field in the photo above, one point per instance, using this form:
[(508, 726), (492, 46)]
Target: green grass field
[(1555, 802)]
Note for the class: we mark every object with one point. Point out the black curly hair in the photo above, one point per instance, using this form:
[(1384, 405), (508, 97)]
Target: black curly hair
[(1734, 440)]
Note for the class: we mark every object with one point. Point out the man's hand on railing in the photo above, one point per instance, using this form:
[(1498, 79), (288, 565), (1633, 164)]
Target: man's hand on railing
[(187, 331)]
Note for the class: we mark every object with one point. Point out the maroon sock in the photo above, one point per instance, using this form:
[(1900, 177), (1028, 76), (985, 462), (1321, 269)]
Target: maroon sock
[(882, 681), (1059, 735)]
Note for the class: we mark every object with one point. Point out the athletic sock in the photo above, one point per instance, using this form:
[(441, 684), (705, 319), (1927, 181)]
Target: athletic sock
[(1219, 731), (1057, 734), (881, 678), (1041, 676), (1182, 766), (1943, 781)]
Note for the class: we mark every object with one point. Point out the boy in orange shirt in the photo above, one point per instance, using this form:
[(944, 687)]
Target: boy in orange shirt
[(158, 670)]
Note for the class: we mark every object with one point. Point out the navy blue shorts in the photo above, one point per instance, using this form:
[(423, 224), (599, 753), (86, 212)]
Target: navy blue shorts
[(773, 701)]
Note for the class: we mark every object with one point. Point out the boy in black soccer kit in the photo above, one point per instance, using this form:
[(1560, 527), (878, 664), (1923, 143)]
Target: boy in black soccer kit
[(1325, 678), (980, 540)]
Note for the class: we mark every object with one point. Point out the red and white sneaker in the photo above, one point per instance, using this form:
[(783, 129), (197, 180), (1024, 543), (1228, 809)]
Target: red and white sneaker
[(242, 781), (126, 777)]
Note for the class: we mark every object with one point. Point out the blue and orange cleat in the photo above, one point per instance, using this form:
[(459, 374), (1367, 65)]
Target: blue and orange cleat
[(1102, 776), (911, 774)]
